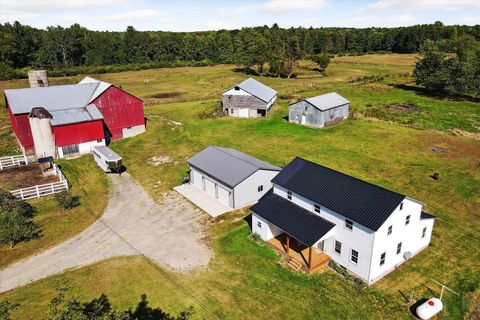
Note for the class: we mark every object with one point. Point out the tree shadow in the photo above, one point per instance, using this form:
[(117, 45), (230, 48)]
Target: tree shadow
[(247, 71), (431, 94)]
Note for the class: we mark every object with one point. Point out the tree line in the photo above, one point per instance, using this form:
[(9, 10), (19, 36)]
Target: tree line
[(273, 47)]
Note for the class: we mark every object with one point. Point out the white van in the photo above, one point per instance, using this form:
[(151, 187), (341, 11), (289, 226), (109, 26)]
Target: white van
[(106, 159)]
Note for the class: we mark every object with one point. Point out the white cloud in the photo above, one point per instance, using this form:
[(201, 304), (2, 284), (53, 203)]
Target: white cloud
[(412, 5), (384, 21), (466, 20), (36, 6), (232, 12), (286, 6), (135, 14), (9, 16)]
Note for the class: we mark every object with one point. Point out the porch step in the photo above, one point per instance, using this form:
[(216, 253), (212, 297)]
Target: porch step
[(294, 265)]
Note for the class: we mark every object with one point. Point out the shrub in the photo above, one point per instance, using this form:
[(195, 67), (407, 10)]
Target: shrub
[(66, 200), (16, 220), (6, 72)]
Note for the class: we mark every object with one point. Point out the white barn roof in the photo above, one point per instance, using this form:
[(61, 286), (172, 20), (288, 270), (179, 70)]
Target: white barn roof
[(327, 101), (228, 166), (102, 86), (257, 89), (55, 98), (77, 115)]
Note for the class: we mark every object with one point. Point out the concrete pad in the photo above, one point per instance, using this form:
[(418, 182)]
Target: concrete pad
[(202, 200)]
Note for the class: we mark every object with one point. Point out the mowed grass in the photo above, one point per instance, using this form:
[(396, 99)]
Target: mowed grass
[(90, 184), (244, 280)]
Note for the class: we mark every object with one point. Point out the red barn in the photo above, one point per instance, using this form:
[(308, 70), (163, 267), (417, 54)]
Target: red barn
[(70, 120)]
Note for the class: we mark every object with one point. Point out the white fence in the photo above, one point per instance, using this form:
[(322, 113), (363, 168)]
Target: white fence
[(13, 161), (42, 190)]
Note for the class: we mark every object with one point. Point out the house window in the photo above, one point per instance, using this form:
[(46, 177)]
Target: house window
[(259, 224), (354, 256), (231, 111), (338, 247), (316, 207), (401, 206), (407, 220), (390, 229), (289, 195), (99, 140), (349, 224), (237, 88), (260, 188), (424, 232), (382, 259), (399, 248)]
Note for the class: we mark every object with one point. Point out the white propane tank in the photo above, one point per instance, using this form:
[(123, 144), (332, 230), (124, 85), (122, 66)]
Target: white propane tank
[(429, 308)]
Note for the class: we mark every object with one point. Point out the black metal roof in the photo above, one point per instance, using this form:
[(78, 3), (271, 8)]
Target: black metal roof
[(357, 200), (292, 219), (425, 215)]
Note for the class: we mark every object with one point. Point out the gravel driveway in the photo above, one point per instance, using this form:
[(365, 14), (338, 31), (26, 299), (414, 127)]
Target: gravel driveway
[(169, 233)]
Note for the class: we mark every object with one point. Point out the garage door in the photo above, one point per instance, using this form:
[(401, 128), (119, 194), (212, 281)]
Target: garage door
[(223, 195), (210, 188), (244, 112)]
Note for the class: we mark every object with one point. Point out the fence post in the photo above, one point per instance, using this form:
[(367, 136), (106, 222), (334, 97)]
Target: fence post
[(25, 158), (51, 185), (38, 192), (21, 193), (1, 166)]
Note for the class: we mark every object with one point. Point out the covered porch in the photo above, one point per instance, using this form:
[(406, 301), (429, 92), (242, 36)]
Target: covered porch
[(307, 258)]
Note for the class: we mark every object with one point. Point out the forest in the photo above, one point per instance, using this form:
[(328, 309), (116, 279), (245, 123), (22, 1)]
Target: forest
[(75, 47)]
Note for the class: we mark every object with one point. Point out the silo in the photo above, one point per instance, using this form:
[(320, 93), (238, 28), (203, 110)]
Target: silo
[(43, 141), (38, 78)]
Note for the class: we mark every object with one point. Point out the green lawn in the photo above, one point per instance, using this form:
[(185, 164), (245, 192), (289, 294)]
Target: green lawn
[(244, 280)]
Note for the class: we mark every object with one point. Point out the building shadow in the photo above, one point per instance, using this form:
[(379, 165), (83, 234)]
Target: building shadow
[(248, 220)]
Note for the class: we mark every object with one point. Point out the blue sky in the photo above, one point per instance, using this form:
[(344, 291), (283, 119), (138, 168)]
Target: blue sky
[(191, 15)]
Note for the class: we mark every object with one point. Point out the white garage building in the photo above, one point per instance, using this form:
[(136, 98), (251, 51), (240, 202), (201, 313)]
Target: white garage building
[(230, 176)]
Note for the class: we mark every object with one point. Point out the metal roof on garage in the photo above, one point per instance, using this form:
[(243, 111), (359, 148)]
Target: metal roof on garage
[(227, 165), (257, 89), (292, 219), (327, 101), (362, 202), (77, 115), (51, 98)]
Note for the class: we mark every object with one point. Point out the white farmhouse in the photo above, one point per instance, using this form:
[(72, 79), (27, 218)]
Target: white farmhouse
[(230, 176), (315, 214), (248, 99)]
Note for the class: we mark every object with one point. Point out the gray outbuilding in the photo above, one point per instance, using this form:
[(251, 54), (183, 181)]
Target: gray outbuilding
[(230, 176), (248, 99), (319, 111)]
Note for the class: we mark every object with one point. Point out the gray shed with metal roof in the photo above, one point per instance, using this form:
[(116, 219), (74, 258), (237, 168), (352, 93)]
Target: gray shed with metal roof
[(319, 111), (248, 99), (231, 176)]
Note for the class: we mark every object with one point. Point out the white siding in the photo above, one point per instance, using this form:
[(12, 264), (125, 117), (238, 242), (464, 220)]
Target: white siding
[(247, 191), (211, 186), (410, 235), (84, 148), (265, 230)]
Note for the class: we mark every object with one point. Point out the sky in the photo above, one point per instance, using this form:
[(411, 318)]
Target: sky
[(154, 15)]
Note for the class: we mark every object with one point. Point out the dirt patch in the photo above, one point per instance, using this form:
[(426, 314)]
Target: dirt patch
[(164, 95), (462, 133), (402, 107), (156, 161), (23, 177)]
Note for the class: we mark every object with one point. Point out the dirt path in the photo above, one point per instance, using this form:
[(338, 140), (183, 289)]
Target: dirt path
[(169, 233)]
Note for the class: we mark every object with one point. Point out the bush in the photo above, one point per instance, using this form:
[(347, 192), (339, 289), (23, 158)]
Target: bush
[(6, 72), (16, 220), (66, 200)]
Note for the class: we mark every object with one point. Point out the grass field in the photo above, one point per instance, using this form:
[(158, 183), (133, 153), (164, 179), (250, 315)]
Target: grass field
[(388, 141)]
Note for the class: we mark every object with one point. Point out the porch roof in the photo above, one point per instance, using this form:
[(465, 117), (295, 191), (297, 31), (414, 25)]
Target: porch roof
[(292, 219)]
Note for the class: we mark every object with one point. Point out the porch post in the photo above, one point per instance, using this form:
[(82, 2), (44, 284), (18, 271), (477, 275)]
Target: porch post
[(309, 258), (288, 243)]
